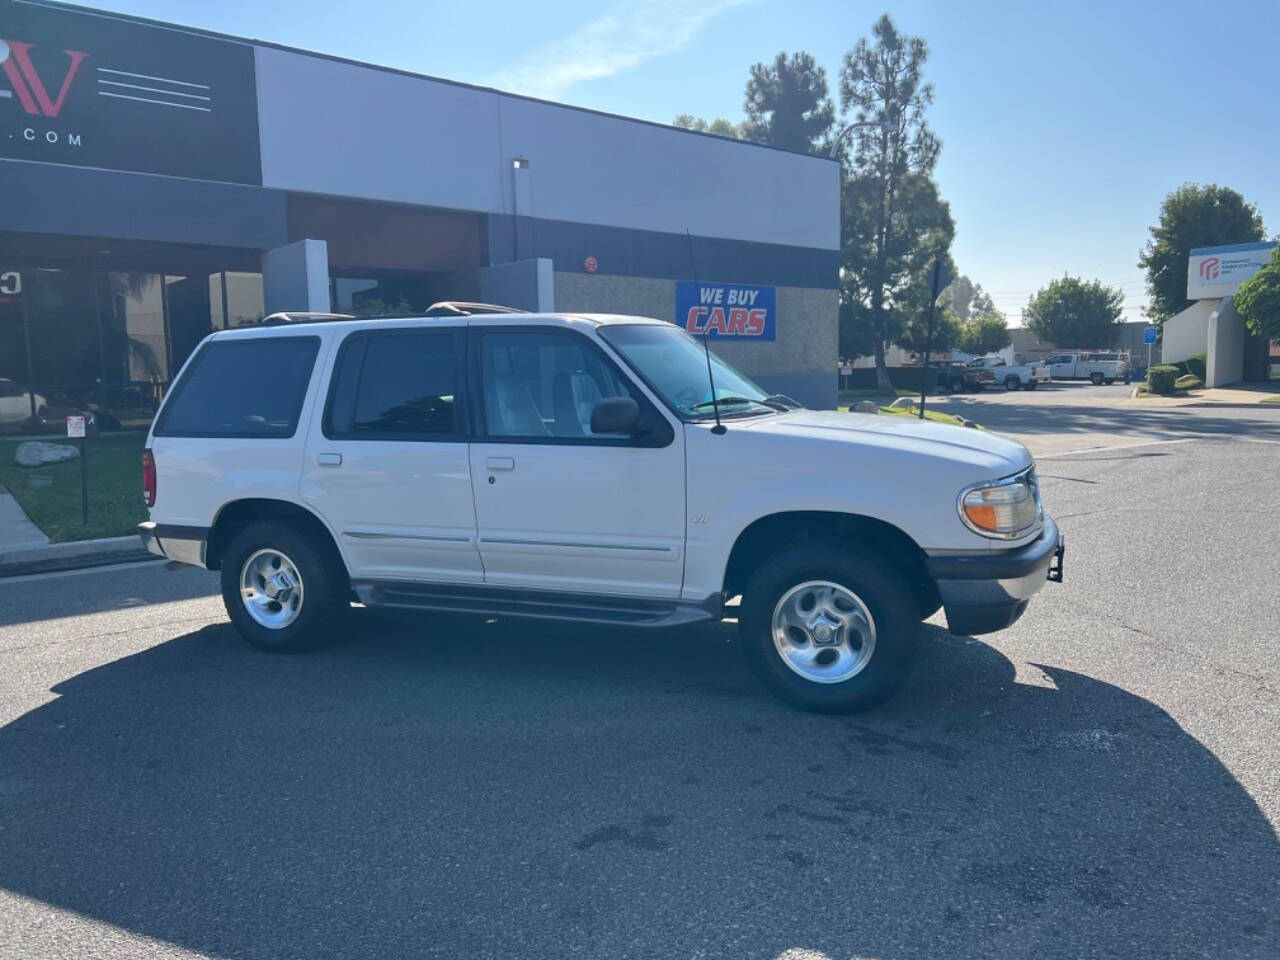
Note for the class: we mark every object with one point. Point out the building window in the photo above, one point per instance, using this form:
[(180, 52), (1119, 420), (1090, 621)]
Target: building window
[(77, 339), (369, 296)]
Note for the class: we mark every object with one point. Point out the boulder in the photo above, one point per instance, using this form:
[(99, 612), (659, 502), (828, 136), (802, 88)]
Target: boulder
[(35, 453), (902, 402), (866, 406)]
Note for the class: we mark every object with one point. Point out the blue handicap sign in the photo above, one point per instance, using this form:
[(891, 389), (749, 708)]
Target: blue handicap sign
[(1149, 335)]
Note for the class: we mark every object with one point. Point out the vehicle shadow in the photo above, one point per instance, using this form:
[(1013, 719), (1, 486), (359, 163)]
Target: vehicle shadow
[(485, 789)]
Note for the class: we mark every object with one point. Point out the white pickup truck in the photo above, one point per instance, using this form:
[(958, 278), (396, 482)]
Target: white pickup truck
[(582, 468), (1096, 367), (1025, 376)]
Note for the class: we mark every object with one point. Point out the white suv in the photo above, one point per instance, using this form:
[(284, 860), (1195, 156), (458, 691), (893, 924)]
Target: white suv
[(577, 468)]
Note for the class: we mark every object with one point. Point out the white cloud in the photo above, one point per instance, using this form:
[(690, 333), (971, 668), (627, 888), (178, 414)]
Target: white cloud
[(621, 39)]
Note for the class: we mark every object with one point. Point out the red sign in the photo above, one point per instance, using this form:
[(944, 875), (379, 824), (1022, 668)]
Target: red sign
[(591, 265)]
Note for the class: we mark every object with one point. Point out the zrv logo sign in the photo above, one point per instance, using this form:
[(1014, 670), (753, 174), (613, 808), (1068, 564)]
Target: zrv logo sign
[(737, 310), (1209, 268), (99, 91), (15, 61)]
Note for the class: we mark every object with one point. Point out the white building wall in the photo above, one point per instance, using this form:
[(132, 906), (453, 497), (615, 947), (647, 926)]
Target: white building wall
[(1187, 333), (342, 129), (1226, 346)]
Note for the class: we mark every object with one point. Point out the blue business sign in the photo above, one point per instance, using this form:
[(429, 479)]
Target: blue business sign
[(738, 311)]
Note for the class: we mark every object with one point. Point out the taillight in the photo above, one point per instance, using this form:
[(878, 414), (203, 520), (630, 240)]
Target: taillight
[(148, 479)]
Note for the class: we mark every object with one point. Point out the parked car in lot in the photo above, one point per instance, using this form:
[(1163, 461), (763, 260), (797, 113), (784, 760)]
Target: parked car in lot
[(1093, 366), (956, 377), (1024, 376), (18, 404), (582, 468)]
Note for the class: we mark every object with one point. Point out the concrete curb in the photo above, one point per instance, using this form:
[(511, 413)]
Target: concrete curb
[(72, 556)]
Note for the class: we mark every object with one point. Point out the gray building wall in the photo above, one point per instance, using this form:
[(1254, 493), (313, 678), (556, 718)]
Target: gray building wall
[(1028, 347), (800, 363), (450, 145)]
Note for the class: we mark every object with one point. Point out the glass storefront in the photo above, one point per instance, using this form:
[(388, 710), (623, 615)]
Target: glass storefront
[(76, 339), (382, 294)]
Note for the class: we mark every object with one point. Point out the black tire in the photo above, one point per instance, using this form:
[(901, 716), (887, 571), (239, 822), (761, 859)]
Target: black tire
[(1109, 381), (895, 612), (1012, 383), (325, 588), (1032, 384), (1095, 379)]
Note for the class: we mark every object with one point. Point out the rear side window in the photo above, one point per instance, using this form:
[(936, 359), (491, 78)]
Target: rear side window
[(396, 386), (242, 388)]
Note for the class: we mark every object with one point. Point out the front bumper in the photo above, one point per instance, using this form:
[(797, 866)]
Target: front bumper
[(986, 592), (183, 544)]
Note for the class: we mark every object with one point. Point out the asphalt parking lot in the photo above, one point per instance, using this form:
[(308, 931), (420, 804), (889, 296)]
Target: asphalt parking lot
[(1073, 415), (1101, 780)]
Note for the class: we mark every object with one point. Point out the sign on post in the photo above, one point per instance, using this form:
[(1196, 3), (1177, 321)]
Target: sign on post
[(75, 430), (1149, 335), (738, 311)]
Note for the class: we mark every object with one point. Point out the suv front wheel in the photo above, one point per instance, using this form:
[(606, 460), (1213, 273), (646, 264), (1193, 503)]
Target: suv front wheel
[(283, 591), (826, 630)]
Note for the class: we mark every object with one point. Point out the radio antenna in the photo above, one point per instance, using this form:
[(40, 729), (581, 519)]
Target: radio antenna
[(719, 428)]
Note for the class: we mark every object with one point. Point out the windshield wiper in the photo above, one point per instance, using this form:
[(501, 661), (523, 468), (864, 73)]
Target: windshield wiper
[(780, 401), (722, 401)]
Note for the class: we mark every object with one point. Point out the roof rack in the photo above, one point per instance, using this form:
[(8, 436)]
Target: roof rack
[(291, 316), (463, 308)]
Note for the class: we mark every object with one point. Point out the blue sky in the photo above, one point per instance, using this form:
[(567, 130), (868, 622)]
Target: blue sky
[(1062, 129)]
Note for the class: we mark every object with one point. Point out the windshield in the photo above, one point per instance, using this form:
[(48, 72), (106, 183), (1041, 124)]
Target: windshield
[(674, 364)]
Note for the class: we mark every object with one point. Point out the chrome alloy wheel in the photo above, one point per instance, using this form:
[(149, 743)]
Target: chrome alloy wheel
[(271, 589), (823, 631)]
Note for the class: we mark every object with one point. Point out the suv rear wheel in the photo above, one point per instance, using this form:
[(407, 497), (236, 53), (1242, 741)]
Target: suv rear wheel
[(826, 630), (283, 591)]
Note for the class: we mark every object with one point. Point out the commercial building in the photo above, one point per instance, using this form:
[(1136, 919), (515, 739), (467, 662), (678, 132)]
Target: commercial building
[(160, 182), (1211, 326)]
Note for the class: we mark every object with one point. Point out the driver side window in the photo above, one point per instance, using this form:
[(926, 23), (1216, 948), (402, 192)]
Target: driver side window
[(540, 385)]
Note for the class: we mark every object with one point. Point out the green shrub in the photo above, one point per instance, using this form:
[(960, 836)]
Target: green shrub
[(1188, 382), (1160, 377), (1193, 366)]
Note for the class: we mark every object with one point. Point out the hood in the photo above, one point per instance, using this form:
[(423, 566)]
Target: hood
[(904, 434)]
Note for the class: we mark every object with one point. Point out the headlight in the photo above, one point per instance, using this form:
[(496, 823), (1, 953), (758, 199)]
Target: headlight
[(1004, 509)]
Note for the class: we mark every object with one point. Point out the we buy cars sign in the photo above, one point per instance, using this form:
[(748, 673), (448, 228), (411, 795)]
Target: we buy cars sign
[(737, 311)]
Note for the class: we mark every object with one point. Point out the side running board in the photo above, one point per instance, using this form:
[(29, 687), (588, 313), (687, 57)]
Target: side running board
[(540, 604)]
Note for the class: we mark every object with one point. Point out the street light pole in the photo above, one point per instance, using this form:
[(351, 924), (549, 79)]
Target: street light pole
[(845, 131)]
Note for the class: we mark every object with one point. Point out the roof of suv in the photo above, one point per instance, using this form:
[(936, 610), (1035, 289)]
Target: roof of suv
[(343, 326)]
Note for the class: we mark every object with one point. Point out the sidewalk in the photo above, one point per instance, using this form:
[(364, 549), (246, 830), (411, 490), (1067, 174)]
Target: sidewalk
[(25, 550), (17, 532), (1239, 394)]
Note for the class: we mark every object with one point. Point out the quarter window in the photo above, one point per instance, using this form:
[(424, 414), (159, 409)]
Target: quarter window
[(242, 388)]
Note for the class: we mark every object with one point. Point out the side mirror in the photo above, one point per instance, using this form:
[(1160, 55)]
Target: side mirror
[(617, 415)]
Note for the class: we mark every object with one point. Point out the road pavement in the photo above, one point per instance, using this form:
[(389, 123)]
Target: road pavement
[(1072, 415), (1100, 780)]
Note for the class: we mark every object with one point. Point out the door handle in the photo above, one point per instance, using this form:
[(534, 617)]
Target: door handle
[(329, 459), (501, 463)]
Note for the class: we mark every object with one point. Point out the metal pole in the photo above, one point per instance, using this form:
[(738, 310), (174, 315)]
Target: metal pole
[(84, 480), (924, 370)]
